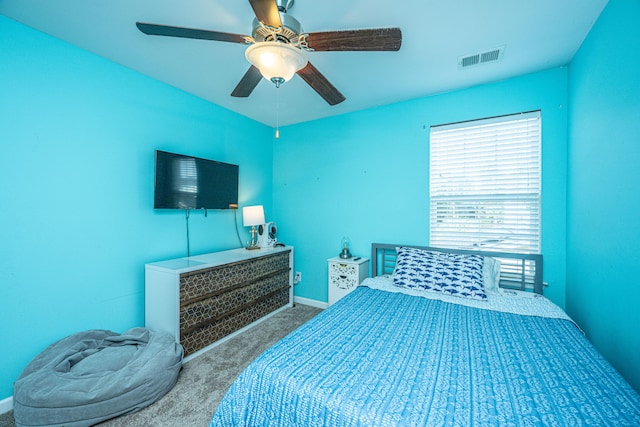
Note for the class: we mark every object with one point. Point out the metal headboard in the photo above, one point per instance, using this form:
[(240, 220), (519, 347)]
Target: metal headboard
[(517, 271)]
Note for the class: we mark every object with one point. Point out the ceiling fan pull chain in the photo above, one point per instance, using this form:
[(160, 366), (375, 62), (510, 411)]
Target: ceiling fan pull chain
[(277, 113)]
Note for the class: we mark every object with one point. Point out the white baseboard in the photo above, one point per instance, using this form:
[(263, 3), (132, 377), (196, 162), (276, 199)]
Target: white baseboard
[(310, 302), (6, 404)]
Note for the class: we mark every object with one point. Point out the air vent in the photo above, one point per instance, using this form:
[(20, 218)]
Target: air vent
[(491, 55)]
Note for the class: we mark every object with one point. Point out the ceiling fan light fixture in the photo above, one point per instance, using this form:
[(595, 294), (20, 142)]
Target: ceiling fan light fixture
[(277, 61)]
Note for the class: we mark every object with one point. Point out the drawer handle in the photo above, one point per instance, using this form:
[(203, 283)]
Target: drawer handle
[(343, 277)]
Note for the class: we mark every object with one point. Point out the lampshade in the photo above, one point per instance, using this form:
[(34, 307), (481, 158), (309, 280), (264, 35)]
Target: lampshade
[(253, 215), (277, 61)]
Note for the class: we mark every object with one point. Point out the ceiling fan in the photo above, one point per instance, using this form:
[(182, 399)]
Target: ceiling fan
[(279, 35)]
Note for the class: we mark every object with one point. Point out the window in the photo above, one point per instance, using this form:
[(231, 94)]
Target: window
[(485, 184)]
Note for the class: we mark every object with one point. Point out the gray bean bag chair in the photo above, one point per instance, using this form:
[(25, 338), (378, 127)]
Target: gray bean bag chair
[(95, 375)]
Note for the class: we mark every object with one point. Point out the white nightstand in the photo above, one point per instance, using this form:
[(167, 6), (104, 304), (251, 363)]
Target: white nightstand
[(345, 275)]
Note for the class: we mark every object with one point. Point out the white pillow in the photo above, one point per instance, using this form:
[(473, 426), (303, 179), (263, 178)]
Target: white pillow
[(491, 274)]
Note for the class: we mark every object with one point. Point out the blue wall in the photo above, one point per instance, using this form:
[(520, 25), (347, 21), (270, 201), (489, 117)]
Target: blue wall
[(603, 281), (77, 224), (366, 174)]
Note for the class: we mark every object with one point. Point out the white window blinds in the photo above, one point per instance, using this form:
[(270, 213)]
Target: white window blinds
[(485, 184)]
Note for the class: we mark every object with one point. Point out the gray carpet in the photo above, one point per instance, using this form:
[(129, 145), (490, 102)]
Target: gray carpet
[(205, 379)]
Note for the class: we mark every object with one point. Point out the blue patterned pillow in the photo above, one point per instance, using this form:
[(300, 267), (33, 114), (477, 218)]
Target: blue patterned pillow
[(452, 274)]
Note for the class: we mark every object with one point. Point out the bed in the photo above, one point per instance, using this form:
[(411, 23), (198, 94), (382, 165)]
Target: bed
[(403, 350)]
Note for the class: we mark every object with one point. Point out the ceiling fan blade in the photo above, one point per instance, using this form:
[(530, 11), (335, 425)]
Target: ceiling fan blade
[(248, 83), (267, 12), (188, 33), (320, 84), (378, 39)]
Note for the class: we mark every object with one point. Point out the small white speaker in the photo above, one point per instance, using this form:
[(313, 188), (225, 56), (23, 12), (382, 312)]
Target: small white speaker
[(267, 235)]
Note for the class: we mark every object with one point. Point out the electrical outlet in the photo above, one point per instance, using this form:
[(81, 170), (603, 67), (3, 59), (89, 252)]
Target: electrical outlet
[(297, 278)]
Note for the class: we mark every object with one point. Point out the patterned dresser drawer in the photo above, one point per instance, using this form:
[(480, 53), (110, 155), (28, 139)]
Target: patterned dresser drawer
[(208, 310), (204, 283), (201, 337)]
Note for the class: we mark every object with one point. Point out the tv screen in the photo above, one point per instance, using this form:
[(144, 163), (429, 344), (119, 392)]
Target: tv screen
[(186, 182)]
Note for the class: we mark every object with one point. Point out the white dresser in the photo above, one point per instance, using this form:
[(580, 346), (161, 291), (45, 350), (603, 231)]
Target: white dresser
[(203, 299)]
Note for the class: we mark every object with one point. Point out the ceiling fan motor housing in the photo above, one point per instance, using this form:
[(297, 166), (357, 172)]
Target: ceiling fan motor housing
[(290, 30)]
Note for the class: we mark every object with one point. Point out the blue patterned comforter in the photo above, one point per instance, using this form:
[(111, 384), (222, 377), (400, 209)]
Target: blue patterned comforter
[(377, 358)]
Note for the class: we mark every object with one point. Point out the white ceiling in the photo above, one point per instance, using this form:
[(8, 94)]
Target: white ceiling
[(537, 35)]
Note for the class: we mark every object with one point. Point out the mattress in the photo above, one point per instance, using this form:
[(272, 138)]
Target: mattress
[(380, 358)]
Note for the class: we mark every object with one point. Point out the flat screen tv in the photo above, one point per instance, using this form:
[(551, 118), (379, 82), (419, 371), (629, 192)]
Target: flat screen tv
[(186, 182)]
